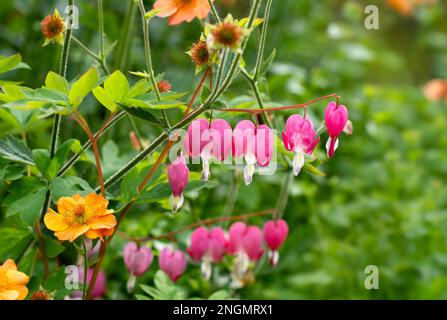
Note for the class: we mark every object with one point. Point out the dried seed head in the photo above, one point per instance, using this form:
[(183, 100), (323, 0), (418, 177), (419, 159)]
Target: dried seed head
[(199, 53), (41, 295)]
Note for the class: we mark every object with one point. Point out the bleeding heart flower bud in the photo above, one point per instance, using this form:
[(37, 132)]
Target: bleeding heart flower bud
[(137, 260), (172, 262), (275, 232), (336, 118), (178, 175), (244, 145), (299, 137), (100, 285), (207, 246)]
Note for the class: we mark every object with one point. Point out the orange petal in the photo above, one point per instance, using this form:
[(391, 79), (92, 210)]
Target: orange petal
[(96, 201), (202, 9), (9, 265), (166, 7), (17, 277), (21, 290), (104, 222), (71, 233), (54, 221), (9, 295), (67, 205)]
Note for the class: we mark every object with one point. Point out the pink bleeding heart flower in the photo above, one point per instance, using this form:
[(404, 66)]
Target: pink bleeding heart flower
[(207, 246), (100, 285), (172, 262), (299, 137), (275, 233), (336, 117), (244, 145), (221, 139), (264, 145), (137, 260), (197, 144), (245, 239), (178, 175)]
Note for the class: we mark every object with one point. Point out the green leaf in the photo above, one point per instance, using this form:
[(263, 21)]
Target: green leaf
[(9, 63), (29, 205), (103, 98), (53, 247), (165, 288), (219, 295), (206, 92), (11, 172), (313, 170), (116, 86), (42, 160), (267, 63), (82, 87), (141, 297), (57, 82), (68, 186), (16, 150), (144, 114), (14, 242), (131, 181)]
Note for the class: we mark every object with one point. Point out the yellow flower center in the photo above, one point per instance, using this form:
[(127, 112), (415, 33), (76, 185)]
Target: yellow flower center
[(80, 214)]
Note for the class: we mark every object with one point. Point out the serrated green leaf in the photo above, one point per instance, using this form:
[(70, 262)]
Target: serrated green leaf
[(15, 150), (82, 87), (57, 82), (68, 186)]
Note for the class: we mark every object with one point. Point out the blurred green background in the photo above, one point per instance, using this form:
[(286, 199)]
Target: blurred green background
[(383, 200)]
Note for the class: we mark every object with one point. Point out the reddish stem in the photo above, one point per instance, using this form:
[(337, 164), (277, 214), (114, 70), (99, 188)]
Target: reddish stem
[(295, 106)]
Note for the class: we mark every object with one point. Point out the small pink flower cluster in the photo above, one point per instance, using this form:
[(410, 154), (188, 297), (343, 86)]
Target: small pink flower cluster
[(245, 242), (252, 143)]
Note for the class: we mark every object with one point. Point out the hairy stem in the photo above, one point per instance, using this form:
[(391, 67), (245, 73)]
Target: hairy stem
[(214, 10), (262, 41), (91, 54), (84, 287)]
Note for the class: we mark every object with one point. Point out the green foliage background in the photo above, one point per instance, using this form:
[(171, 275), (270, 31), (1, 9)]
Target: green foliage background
[(383, 200)]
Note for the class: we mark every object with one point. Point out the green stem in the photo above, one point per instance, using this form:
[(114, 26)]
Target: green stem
[(283, 197), (85, 286), (221, 67), (91, 53), (214, 10), (147, 54), (125, 35), (254, 86), (101, 29), (263, 39)]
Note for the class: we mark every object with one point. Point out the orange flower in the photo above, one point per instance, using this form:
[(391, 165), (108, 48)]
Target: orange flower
[(182, 10), (12, 282), (78, 216)]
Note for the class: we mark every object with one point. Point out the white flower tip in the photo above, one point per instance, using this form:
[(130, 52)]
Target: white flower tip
[(249, 170), (176, 202), (298, 163), (131, 283), (206, 269), (273, 258), (205, 170)]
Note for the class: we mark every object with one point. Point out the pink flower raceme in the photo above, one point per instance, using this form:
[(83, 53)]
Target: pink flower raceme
[(178, 175), (299, 137), (172, 262), (336, 117), (254, 144), (275, 232), (207, 246), (206, 141), (137, 260)]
